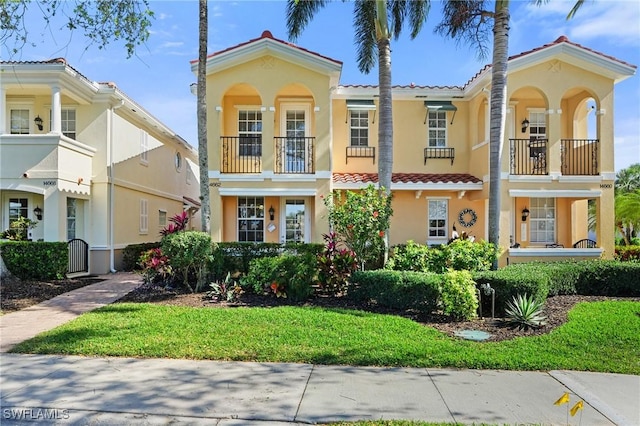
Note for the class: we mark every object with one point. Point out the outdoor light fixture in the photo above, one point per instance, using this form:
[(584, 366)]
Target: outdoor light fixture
[(525, 125), (525, 214), (38, 212), (272, 213), (38, 122)]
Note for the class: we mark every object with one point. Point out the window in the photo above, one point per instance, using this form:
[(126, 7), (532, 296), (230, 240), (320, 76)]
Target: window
[(162, 218), (72, 211), (144, 147), (359, 127), (537, 125), (178, 161), (19, 122), (144, 216), (437, 227), (250, 133), (437, 130), (18, 207), (69, 123), (251, 219), (543, 220)]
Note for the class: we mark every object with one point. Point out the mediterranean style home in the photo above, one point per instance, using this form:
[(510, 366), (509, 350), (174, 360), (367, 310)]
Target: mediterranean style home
[(283, 132), (88, 163)]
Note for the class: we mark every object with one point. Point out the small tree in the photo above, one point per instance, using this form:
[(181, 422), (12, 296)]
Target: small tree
[(360, 219), (189, 252)]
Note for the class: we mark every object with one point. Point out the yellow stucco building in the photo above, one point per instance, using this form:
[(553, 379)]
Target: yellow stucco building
[(283, 131), (88, 163)]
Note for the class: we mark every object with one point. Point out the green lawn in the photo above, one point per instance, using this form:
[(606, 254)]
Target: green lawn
[(600, 336)]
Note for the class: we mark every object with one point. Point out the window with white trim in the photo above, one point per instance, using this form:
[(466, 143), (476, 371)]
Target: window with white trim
[(72, 213), (437, 222), (68, 123), (537, 125), (19, 122), (251, 219), (18, 207), (144, 147), (250, 133), (144, 216), (359, 127), (162, 218), (543, 220), (437, 129)]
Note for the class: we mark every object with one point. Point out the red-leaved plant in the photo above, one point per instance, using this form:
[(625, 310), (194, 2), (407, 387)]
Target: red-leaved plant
[(336, 265), (178, 223)]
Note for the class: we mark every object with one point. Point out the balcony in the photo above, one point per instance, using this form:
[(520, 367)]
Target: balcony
[(243, 154), (579, 157), (528, 156), (448, 153), (361, 152), (295, 155)]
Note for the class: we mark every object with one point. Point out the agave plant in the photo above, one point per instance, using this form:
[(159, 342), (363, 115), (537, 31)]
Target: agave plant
[(524, 312)]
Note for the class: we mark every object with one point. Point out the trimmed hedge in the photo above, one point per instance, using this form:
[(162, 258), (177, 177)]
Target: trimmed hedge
[(36, 260), (396, 289), (131, 254), (293, 275), (510, 281)]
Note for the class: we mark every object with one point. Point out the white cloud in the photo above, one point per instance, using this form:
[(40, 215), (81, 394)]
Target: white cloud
[(170, 44)]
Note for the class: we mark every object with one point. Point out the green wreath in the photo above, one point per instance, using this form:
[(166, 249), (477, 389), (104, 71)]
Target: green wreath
[(462, 218)]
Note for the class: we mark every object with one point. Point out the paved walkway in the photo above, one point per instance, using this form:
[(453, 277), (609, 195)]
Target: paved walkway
[(123, 391)]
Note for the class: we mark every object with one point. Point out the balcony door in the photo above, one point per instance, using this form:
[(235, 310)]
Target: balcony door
[(295, 128)]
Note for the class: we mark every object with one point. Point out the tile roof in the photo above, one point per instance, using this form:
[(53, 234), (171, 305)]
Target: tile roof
[(267, 35), (366, 178)]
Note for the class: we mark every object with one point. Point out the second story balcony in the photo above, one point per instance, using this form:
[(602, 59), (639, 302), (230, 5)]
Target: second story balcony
[(579, 157), (244, 154)]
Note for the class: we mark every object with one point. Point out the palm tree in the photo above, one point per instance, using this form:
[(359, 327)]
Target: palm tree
[(203, 153), (627, 202), (374, 23), (467, 20)]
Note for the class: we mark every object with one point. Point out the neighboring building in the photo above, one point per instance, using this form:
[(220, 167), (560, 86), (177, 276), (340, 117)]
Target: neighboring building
[(283, 132), (88, 163)]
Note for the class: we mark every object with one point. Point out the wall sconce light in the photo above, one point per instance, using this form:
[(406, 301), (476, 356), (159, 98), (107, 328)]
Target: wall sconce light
[(272, 213), (525, 125), (525, 214), (38, 212), (38, 122), (218, 109)]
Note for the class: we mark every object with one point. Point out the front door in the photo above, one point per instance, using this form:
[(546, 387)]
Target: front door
[(294, 226)]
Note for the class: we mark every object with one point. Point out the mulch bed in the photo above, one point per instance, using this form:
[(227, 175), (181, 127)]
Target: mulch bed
[(16, 294), (556, 309)]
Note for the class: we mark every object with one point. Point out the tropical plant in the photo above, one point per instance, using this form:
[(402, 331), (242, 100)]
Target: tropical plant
[(375, 22), (627, 202), (19, 229), (524, 312), (227, 290), (155, 266), (335, 265), (359, 220), (189, 252), (177, 223)]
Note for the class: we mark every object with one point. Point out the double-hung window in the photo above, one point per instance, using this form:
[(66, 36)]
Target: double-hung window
[(543, 220), (19, 122), (69, 123), (251, 219), (437, 222), (359, 127), (537, 125), (250, 133), (437, 131)]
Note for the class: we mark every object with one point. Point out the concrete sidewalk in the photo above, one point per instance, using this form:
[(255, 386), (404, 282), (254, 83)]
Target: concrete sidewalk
[(123, 391)]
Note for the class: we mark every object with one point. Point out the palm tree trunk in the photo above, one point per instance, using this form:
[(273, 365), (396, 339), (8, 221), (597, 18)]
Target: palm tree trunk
[(385, 119), (203, 155), (498, 114)]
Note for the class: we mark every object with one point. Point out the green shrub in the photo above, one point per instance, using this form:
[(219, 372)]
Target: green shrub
[(36, 260), (335, 265), (512, 280), (627, 253), (396, 289), (409, 257), (458, 297), (286, 276), (131, 254), (458, 255), (608, 278), (189, 252)]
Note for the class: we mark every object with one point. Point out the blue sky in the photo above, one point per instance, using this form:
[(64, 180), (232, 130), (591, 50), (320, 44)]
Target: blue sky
[(158, 77)]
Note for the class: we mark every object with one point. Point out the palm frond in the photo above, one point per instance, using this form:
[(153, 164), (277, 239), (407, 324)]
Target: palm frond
[(299, 14), (364, 16)]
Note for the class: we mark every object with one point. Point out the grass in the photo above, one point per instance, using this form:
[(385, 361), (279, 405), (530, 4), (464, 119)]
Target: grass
[(599, 336)]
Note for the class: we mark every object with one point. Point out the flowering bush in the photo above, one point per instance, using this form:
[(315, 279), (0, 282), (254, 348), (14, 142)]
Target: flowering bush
[(335, 265), (360, 220)]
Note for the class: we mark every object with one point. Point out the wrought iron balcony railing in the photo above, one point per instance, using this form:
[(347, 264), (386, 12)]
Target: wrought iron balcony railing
[(579, 157), (295, 155), (241, 154), (528, 156)]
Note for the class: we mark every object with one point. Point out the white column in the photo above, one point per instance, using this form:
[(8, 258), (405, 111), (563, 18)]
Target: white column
[(4, 114), (56, 110)]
